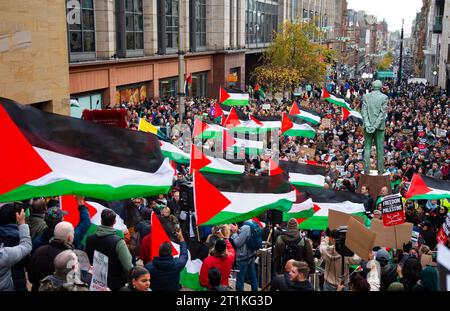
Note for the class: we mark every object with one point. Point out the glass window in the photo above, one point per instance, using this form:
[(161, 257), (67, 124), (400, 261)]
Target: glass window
[(200, 22), (134, 25), (171, 10), (199, 84), (168, 87), (82, 36)]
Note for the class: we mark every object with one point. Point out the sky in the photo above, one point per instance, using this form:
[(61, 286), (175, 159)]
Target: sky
[(391, 10)]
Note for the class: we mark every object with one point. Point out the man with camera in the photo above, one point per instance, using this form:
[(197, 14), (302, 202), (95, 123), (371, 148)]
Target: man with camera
[(331, 249)]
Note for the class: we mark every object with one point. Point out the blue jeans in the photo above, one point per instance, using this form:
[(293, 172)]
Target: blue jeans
[(246, 267), (328, 287)]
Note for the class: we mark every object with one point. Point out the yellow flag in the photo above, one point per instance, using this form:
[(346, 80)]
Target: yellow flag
[(145, 126)]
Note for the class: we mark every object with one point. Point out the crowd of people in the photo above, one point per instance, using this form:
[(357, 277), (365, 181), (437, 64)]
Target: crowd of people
[(42, 252)]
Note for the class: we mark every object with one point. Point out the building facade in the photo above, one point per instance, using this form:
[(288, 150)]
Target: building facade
[(34, 67)]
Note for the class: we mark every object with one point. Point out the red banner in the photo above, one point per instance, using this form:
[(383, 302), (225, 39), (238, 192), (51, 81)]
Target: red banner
[(114, 118)]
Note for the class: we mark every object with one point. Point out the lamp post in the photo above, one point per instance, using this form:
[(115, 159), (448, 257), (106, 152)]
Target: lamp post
[(181, 94), (434, 77), (256, 34)]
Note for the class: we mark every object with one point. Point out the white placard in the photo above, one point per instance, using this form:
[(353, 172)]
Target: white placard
[(99, 272)]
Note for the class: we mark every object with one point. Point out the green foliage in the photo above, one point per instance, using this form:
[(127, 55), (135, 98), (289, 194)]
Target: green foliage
[(293, 58), (386, 62)]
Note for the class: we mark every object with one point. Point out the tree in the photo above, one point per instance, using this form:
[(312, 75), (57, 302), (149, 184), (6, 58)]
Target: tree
[(293, 58), (386, 62)]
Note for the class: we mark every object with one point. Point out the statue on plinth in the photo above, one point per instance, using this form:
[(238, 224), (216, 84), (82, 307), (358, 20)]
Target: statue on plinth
[(374, 112)]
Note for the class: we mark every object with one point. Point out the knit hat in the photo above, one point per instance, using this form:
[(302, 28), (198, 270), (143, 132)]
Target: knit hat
[(220, 246), (292, 224), (383, 256), (54, 215), (396, 287)]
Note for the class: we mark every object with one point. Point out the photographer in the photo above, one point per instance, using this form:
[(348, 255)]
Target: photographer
[(333, 261)]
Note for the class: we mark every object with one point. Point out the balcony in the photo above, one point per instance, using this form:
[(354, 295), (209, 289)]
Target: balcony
[(437, 26)]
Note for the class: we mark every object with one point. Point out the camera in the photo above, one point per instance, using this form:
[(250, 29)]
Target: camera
[(187, 197), (339, 235)]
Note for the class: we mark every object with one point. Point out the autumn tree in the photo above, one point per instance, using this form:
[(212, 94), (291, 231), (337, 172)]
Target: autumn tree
[(293, 58), (386, 61)]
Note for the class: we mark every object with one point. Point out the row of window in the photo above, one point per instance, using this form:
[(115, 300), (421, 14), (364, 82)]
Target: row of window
[(130, 26), (261, 21)]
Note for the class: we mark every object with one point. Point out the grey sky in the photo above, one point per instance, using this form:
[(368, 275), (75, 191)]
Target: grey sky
[(391, 10)]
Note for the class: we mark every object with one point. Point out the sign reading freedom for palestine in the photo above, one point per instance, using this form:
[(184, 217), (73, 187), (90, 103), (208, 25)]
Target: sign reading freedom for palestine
[(392, 209)]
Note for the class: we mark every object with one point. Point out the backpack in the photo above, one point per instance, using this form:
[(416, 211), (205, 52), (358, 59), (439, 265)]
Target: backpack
[(293, 250), (254, 242)]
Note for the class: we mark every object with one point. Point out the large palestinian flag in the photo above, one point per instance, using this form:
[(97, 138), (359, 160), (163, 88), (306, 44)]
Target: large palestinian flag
[(213, 165), (324, 200), (341, 102), (290, 128), (46, 154), (174, 153), (427, 188), (304, 174), (222, 199), (232, 97)]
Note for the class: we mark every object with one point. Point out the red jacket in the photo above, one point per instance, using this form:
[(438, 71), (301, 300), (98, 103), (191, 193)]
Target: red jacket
[(145, 252), (224, 264)]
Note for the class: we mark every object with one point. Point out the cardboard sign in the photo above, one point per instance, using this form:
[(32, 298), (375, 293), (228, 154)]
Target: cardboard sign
[(393, 236), (359, 239), (443, 261), (337, 219), (392, 209), (266, 106), (99, 272)]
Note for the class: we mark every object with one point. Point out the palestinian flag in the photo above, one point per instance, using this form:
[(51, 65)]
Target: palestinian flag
[(304, 114), (209, 164), (341, 102), (304, 174), (62, 155), (427, 188), (174, 153), (259, 91), (218, 114), (274, 169), (325, 200), (289, 128), (231, 97), (232, 119), (302, 208), (239, 197), (188, 85), (352, 115), (251, 147)]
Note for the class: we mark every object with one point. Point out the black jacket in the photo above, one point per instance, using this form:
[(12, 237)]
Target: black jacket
[(42, 261), (388, 276), (165, 271), (280, 283), (304, 286)]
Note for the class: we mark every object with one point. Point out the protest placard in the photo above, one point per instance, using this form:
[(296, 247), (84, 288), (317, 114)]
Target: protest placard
[(337, 219), (99, 272), (392, 210), (443, 263), (360, 239), (393, 236), (444, 232), (326, 123)]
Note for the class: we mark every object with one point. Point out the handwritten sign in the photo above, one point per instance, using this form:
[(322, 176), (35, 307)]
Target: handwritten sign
[(392, 209)]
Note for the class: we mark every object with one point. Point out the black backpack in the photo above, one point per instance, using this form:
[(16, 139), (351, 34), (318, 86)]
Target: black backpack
[(293, 250)]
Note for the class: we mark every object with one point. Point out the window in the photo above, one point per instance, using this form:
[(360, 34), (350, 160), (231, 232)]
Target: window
[(171, 17), (199, 84), (90, 102), (261, 21), (134, 25), (131, 94), (82, 35), (200, 23), (168, 87), (130, 28)]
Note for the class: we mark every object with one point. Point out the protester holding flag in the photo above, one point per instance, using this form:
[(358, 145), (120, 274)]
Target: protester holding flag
[(165, 269), (221, 257)]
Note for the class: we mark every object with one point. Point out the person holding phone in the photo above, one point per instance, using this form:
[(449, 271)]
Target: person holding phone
[(9, 256)]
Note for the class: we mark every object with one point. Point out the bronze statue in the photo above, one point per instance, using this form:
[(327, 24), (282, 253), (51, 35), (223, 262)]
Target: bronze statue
[(374, 110)]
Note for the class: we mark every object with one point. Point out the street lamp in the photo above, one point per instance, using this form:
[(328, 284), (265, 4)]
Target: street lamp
[(434, 78), (256, 34)]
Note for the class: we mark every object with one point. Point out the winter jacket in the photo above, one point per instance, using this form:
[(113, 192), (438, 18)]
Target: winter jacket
[(281, 282), (145, 251), (304, 250), (42, 261), (37, 224), (333, 263), (303, 286), (9, 256), (165, 271), (82, 227), (242, 251), (388, 276), (106, 241), (224, 264), (9, 236)]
